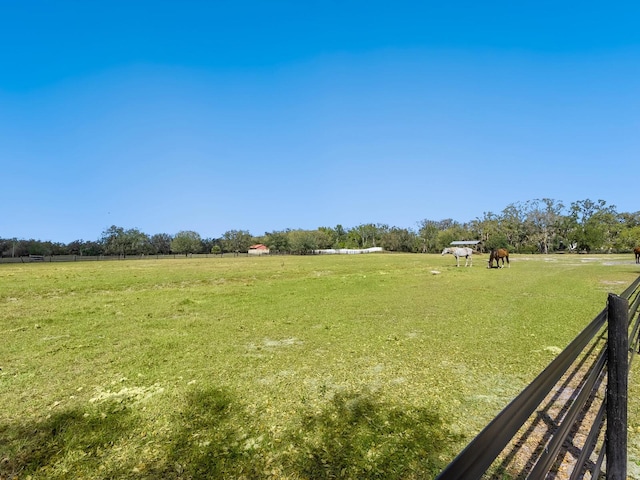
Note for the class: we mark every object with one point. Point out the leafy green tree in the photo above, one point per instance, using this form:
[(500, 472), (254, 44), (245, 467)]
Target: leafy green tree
[(592, 224), (512, 226), (19, 248), (323, 239), (118, 241), (335, 237), (331, 237), (628, 239), (428, 234), (398, 240), (366, 235), (630, 220), (85, 248), (542, 218), (161, 243), (607, 223), (5, 247), (278, 242), (236, 241), (113, 240), (186, 241), (207, 245), (341, 236), (302, 241), (454, 232)]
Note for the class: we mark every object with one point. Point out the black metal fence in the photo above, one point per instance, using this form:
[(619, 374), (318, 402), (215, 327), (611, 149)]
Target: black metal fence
[(586, 389), (104, 258)]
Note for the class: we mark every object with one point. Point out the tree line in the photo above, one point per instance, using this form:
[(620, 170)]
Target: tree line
[(535, 226)]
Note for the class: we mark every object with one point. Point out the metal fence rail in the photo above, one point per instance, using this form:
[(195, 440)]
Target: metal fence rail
[(481, 453)]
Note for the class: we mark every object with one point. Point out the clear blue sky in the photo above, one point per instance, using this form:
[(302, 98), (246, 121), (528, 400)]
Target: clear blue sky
[(265, 115)]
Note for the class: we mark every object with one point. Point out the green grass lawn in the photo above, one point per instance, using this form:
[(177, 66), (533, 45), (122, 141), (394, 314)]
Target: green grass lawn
[(359, 366)]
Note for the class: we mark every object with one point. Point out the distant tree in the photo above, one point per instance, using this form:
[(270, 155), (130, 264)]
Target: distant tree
[(512, 226), (333, 237), (454, 232), (57, 248), (161, 243), (138, 242), (113, 240), (35, 247), (92, 248), (542, 221), (341, 236), (628, 239), (498, 240), (323, 238), (88, 248), (186, 242), (236, 241), (592, 224), (39, 247), (278, 242), (366, 235), (207, 244), (302, 242), (6, 247), (397, 239), (428, 235), (486, 229), (19, 248), (118, 241), (630, 220)]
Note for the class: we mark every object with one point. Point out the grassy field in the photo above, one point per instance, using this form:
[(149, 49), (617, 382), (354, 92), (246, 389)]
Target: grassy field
[(360, 366)]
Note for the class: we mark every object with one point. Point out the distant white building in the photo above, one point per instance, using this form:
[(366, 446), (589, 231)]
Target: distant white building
[(348, 251)]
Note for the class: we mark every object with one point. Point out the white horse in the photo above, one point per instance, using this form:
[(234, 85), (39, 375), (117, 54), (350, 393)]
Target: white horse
[(465, 252)]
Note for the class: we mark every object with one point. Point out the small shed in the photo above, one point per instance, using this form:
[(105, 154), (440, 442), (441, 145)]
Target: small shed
[(475, 245), (258, 249)]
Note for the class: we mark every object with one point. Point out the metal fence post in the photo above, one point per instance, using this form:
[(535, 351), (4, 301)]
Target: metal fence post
[(617, 387)]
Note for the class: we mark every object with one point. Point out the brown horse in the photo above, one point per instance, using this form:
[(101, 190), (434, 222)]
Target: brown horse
[(497, 255), (637, 252)]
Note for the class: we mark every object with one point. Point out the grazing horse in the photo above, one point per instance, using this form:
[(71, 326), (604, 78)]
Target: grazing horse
[(637, 252), (465, 252), (497, 255)]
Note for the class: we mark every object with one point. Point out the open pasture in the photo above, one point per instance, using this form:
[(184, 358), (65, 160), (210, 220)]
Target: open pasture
[(356, 366)]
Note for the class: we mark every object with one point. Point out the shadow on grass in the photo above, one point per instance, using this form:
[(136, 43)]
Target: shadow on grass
[(357, 436), (211, 439), (64, 441), (354, 436)]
